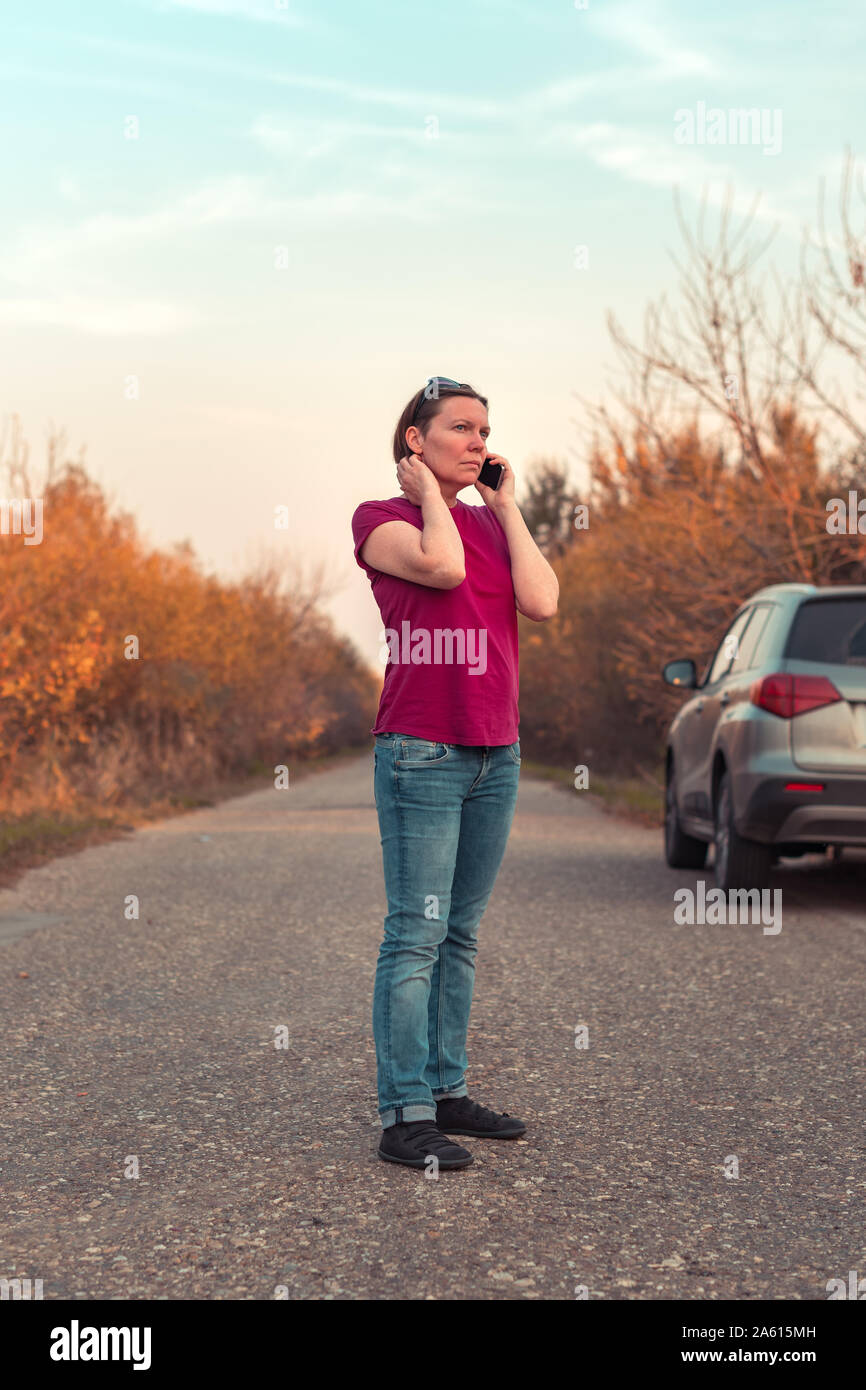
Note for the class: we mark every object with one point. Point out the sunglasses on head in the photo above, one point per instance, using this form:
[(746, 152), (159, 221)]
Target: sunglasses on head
[(431, 390)]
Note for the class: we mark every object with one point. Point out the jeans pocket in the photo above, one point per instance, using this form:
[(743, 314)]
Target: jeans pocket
[(514, 750), (420, 752)]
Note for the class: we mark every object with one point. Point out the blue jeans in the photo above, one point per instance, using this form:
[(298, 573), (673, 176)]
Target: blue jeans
[(445, 811)]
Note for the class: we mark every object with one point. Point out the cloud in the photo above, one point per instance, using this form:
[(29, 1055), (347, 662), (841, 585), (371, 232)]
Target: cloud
[(628, 27), (409, 99), (644, 157), (69, 188), (43, 261), (244, 417), (23, 72), (91, 314), (215, 201), (308, 139), (260, 11), (37, 253), (632, 26)]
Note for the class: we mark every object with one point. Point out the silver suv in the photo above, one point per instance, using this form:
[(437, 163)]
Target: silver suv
[(768, 757)]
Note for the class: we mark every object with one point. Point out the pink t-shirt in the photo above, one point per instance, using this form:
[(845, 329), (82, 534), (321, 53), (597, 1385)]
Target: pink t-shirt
[(452, 671)]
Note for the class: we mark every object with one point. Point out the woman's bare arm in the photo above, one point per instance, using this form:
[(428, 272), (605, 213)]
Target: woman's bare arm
[(536, 587), (433, 556)]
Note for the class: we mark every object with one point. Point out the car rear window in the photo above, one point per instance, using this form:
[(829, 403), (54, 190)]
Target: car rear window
[(832, 631)]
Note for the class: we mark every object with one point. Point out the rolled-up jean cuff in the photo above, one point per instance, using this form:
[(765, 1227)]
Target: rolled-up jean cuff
[(409, 1113), (454, 1094)]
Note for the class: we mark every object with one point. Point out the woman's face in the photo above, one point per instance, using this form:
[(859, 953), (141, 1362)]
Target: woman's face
[(455, 445)]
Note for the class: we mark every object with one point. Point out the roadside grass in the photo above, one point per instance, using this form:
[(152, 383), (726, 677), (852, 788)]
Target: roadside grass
[(637, 796), (36, 836)]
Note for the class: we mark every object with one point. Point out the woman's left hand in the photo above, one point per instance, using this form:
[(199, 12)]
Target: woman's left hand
[(504, 494)]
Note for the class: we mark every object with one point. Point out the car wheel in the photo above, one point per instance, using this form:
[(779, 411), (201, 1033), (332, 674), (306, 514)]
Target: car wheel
[(739, 863), (681, 851)]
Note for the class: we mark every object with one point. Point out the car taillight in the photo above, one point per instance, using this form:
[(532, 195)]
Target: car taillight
[(789, 695)]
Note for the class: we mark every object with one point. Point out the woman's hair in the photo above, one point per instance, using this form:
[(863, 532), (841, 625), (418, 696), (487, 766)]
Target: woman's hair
[(427, 409)]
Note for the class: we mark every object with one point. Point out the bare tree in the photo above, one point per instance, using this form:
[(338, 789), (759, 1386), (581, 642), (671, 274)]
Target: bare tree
[(729, 356), (826, 316), (548, 506)]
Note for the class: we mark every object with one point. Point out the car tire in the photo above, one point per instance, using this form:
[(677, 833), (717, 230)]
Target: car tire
[(739, 863), (681, 851)]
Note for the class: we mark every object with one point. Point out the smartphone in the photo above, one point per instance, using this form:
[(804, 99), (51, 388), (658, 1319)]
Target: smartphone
[(491, 474)]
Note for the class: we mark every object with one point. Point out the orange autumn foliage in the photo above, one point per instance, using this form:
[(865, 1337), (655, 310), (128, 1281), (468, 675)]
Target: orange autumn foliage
[(228, 675), (679, 536)]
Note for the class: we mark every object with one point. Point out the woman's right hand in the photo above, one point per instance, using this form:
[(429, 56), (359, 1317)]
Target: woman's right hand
[(416, 480)]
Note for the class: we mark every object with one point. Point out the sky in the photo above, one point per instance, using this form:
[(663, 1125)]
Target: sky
[(238, 235)]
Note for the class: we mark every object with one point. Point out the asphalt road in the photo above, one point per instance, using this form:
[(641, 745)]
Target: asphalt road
[(148, 1047)]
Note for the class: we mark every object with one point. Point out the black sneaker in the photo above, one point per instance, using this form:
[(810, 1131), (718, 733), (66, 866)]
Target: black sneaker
[(415, 1141), (460, 1115)]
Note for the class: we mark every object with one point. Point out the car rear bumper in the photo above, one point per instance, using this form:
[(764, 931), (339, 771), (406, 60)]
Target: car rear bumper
[(836, 815)]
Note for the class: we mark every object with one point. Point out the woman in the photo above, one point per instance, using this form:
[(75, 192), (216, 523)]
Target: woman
[(448, 579)]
